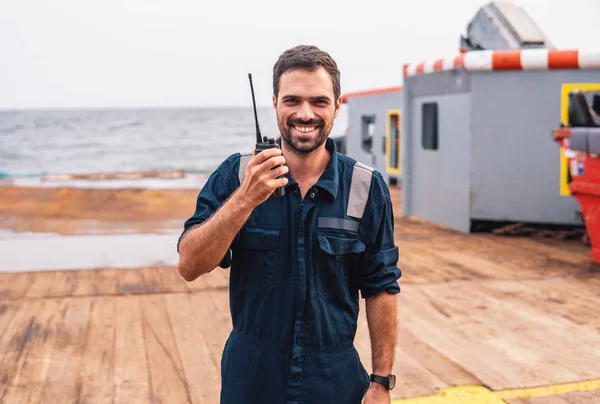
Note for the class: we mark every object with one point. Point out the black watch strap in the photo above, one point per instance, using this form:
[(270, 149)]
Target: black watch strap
[(387, 381)]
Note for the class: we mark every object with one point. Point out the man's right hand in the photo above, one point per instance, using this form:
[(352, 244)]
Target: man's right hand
[(261, 176), (204, 247)]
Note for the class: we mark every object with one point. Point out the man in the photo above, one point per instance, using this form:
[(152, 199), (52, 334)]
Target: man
[(298, 262)]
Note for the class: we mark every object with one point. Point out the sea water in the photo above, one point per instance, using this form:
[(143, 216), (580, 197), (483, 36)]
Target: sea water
[(196, 140)]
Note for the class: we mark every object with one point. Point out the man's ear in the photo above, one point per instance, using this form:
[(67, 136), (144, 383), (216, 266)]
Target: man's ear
[(338, 106)]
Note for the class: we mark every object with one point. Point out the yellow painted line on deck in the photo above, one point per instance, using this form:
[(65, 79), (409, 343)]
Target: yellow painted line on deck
[(482, 395)]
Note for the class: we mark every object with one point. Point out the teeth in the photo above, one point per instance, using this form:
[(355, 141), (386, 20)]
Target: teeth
[(305, 129)]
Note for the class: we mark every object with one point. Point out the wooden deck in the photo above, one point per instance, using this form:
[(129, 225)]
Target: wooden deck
[(475, 310)]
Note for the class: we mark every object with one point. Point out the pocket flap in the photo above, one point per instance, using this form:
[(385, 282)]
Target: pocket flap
[(339, 245), (261, 238)]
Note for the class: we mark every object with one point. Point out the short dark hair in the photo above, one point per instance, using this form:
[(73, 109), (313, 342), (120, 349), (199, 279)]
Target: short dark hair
[(306, 57)]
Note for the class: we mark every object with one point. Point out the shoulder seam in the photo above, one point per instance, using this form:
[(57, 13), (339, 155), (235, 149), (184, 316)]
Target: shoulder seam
[(351, 162), (364, 166)]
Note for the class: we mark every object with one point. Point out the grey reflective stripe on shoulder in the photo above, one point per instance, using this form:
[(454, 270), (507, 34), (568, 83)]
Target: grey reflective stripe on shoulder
[(335, 223), (244, 160), (359, 190)]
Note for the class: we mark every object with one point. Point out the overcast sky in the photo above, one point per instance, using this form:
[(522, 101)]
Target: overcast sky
[(146, 53)]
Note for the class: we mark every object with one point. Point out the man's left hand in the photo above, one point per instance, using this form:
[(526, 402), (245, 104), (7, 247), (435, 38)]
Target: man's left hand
[(377, 394)]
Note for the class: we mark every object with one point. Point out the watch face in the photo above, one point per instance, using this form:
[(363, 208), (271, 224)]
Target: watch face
[(392, 381)]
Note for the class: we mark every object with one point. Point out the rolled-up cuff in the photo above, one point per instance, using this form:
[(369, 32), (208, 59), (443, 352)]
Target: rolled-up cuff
[(382, 273)]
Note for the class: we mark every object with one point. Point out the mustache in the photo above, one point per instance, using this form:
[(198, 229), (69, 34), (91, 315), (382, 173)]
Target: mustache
[(310, 122)]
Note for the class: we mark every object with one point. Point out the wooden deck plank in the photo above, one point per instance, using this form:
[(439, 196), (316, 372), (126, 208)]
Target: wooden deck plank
[(472, 263), (201, 369), (169, 383), (569, 251), (528, 333), (419, 368), (108, 281), (15, 285), (64, 283), (449, 372), (476, 257), (418, 266), (558, 299), (212, 312), (165, 279), (31, 368), (131, 372), (15, 338), (9, 312), (131, 282), (98, 282), (217, 279), (412, 378), (448, 334), (63, 382), (531, 293), (41, 285), (513, 312), (96, 368)]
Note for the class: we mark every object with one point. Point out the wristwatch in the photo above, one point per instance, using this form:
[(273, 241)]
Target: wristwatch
[(388, 381)]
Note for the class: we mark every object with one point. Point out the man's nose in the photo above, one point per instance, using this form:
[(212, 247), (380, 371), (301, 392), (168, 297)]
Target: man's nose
[(305, 111)]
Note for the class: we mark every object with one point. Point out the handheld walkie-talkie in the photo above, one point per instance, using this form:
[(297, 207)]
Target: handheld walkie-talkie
[(264, 143)]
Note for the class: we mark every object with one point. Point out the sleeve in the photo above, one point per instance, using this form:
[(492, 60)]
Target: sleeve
[(213, 194), (378, 268)]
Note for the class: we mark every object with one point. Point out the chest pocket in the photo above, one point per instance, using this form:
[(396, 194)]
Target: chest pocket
[(260, 256), (338, 255)]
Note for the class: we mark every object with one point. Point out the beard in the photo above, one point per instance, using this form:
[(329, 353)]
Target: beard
[(299, 145)]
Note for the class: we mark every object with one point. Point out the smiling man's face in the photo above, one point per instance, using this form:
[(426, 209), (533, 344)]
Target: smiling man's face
[(306, 109)]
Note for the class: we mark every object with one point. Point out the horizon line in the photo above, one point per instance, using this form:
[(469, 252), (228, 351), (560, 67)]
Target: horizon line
[(138, 107)]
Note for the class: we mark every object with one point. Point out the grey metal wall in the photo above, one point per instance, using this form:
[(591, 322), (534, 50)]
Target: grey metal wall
[(377, 105), (435, 184), (440, 189), (515, 169), (496, 158)]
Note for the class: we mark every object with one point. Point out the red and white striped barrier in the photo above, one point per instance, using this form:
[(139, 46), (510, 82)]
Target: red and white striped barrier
[(526, 59)]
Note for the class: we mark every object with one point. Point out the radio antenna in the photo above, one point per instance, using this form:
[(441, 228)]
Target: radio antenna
[(258, 134)]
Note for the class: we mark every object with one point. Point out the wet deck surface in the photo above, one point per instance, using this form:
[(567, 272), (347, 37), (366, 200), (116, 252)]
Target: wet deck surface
[(483, 310), (55, 252)]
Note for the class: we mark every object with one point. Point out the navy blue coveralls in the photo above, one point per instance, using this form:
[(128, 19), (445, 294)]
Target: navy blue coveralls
[(297, 266)]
